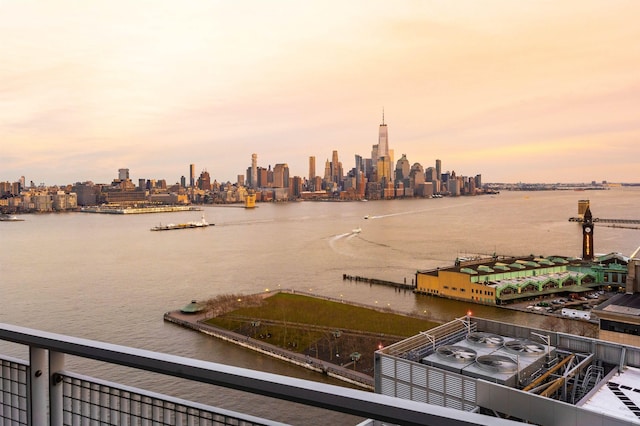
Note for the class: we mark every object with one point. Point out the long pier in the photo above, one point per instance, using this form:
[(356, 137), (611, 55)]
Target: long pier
[(403, 286), (615, 221), (137, 210)]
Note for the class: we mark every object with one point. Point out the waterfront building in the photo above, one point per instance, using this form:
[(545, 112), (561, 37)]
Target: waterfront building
[(124, 197), (373, 190), (501, 279), (295, 186), (42, 202), (168, 198), (62, 201), (192, 175), (478, 181), (620, 315), (87, 193)]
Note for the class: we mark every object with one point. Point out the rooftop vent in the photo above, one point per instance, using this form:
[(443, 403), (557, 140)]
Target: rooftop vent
[(524, 347), (456, 353), (485, 339), (497, 363)]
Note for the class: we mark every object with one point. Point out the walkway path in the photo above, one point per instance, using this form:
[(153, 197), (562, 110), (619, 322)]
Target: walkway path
[(196, 322)]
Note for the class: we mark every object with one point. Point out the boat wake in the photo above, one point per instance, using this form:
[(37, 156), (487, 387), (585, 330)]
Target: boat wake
[(409, 212)]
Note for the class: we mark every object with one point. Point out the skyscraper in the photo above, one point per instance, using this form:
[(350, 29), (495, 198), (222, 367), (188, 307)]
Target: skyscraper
[(192, 175), (336, 168), (402, 169), (281, 175), (383, 140), (312, 168), (253, 182), (359, 164), (204, 182), (383, 169), (327, 170), (380, 155)]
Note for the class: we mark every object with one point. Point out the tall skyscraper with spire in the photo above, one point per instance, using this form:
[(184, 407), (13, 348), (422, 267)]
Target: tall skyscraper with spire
[(383, 140), (383, 160)]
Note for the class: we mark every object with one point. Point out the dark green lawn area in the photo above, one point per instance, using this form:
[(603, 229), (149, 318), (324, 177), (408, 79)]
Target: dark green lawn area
[(320, 328)]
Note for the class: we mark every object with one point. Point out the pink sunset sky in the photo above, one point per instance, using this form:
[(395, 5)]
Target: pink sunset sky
[(518, 91)]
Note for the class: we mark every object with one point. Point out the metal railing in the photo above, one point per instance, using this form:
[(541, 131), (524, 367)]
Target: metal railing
[(41, 392)]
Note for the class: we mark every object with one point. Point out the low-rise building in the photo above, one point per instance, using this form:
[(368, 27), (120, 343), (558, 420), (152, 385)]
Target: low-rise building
[(620, 315), (500, 279)]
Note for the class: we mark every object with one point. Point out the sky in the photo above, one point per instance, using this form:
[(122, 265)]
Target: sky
[(517, 91)]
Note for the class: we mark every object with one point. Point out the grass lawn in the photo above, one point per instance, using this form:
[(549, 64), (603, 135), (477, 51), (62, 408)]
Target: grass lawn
[(320, 328)]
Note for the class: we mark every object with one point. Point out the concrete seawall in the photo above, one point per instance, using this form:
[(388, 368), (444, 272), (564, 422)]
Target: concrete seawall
[(195, 322)]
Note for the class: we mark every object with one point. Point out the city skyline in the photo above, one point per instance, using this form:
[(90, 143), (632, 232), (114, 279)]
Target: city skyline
[(527, 91)]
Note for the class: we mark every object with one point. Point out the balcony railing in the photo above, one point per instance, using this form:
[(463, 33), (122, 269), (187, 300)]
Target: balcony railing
[(42, 392)]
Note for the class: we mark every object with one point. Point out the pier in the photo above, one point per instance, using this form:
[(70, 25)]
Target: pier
[(403, 286), (137, 210), (598, 220), (583, 206), (611, 223)]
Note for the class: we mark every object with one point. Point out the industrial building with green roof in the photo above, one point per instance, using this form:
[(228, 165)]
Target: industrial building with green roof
[(500, 279)]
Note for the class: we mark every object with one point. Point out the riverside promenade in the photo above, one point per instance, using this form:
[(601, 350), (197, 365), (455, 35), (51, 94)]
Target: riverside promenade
[(196, 321)]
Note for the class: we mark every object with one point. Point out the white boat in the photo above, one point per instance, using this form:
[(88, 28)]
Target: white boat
[(7, 218), (357, 231), (201, 224)]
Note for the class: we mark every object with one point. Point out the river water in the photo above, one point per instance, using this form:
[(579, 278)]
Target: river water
[(108, 278)]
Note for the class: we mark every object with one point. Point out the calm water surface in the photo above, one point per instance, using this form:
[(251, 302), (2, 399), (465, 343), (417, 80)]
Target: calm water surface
[(108, 278)]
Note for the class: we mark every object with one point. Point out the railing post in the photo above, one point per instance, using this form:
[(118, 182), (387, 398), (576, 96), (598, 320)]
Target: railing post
[(38, 386), (56, 365)]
